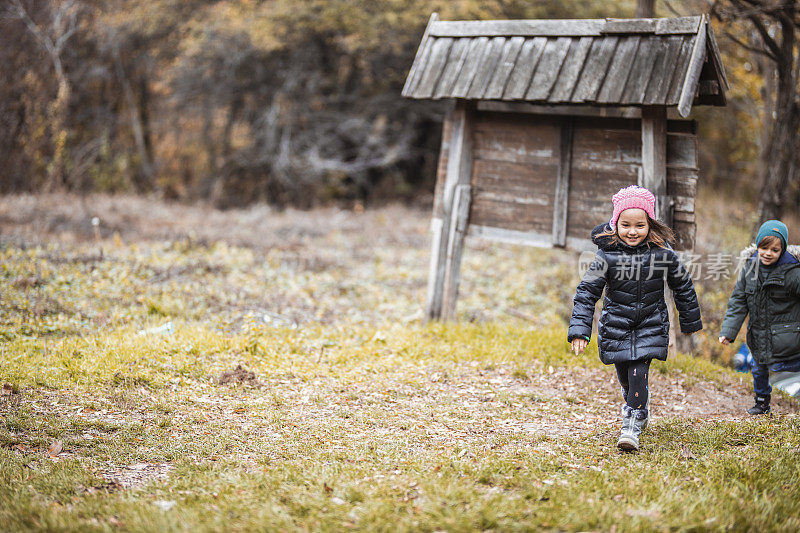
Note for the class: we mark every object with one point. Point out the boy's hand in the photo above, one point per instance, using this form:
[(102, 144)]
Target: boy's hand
[(579, 345), (724, 340)]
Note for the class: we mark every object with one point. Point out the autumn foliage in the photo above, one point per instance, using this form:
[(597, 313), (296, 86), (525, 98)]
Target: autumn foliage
[(292, 103)]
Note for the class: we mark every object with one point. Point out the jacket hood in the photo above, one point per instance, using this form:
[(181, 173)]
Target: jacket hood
[(601, 241)]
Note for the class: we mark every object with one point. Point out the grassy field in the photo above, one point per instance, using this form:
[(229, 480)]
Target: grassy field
[(182, 369)]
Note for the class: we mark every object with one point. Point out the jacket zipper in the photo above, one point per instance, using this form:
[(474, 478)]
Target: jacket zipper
[(638, 306)]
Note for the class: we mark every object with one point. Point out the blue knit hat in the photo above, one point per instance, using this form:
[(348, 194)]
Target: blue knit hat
[(774, 228)]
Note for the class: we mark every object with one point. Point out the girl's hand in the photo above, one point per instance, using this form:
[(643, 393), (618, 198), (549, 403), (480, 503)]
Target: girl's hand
[(724, 340), (579, 345)]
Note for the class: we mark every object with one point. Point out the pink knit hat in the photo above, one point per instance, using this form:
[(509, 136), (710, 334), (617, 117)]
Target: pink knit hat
[(630, 198)]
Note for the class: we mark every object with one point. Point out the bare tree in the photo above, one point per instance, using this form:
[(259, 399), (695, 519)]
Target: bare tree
[(776, 24), (53, 36), (645, 8), (112, 39)]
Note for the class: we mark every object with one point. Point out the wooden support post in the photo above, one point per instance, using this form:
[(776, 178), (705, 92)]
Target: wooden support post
[(459, 169), (654, 178), (562, 183), (455, 246), (654, 157)]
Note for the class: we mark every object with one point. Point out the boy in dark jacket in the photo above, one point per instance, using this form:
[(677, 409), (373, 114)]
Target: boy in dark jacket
[(768, 289), (633, 260)]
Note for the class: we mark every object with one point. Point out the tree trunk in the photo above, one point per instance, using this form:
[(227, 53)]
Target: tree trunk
[(58, 116), (777, 174), (645, 8), (143, 176), (143, 103), (766, 68), (227, 142)]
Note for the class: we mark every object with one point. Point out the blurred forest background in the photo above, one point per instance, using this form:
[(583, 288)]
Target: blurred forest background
[(297, 102)]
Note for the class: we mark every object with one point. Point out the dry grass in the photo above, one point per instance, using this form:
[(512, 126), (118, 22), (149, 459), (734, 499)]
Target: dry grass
[(351, 414)]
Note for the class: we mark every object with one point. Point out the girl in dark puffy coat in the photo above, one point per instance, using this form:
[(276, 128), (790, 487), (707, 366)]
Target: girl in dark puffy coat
[(633, 259)]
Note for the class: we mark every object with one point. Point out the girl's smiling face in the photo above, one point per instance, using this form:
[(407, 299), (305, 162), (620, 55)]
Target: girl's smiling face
[(632, 226)]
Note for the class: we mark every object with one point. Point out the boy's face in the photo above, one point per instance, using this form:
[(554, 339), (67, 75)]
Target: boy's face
[(632, 226), (769, 253)]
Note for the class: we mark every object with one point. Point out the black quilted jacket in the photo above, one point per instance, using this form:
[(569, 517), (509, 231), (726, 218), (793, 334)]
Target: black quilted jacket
[(634, 323), (773, 330)]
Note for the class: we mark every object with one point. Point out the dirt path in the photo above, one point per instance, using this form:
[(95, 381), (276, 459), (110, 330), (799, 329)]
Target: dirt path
[(379, 259), (460, 408)]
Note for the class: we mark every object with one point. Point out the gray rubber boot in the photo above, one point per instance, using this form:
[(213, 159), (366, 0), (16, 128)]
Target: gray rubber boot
[(633, 422), (646, 407)]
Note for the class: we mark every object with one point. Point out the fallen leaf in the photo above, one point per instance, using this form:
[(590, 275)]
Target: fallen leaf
[(55, 448), (686, 453)]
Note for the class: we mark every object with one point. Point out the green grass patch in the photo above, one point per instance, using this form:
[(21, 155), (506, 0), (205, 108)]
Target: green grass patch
[(347, 412)]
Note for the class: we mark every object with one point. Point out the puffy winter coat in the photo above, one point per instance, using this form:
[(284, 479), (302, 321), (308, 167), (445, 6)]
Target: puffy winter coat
[(634, 323), (773, 331)]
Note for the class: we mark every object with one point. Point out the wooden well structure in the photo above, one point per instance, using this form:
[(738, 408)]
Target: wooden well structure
[(550, 118)]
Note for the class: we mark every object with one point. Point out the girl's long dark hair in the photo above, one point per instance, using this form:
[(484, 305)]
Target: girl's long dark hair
[(660, 234)]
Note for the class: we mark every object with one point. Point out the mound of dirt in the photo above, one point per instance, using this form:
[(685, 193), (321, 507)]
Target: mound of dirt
[(238, 375), (10, 397)]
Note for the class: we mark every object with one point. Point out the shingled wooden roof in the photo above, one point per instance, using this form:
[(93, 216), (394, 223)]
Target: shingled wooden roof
[(629, 62)]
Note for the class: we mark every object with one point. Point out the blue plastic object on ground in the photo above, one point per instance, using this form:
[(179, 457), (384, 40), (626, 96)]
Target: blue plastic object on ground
[(743, 359), (785, 378)]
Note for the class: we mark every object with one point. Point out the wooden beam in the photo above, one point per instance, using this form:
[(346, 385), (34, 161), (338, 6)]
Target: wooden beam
[(689, 88), (638, 25), (459, 169), (677, 26), (563, 28), (562, 183), (658, 26), (510, 236), (576, 110), (455, 247), (525, 28), (654, 178), (525, 238), (433, 301), (654, 158), (714, 49)]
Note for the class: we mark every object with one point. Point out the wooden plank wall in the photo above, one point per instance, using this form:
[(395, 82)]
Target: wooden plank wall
[(607, 155), (682, 173), (603, 161), (514, 172), (515, 168)]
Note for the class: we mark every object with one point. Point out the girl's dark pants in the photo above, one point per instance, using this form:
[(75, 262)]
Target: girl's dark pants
[(633, 378)]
